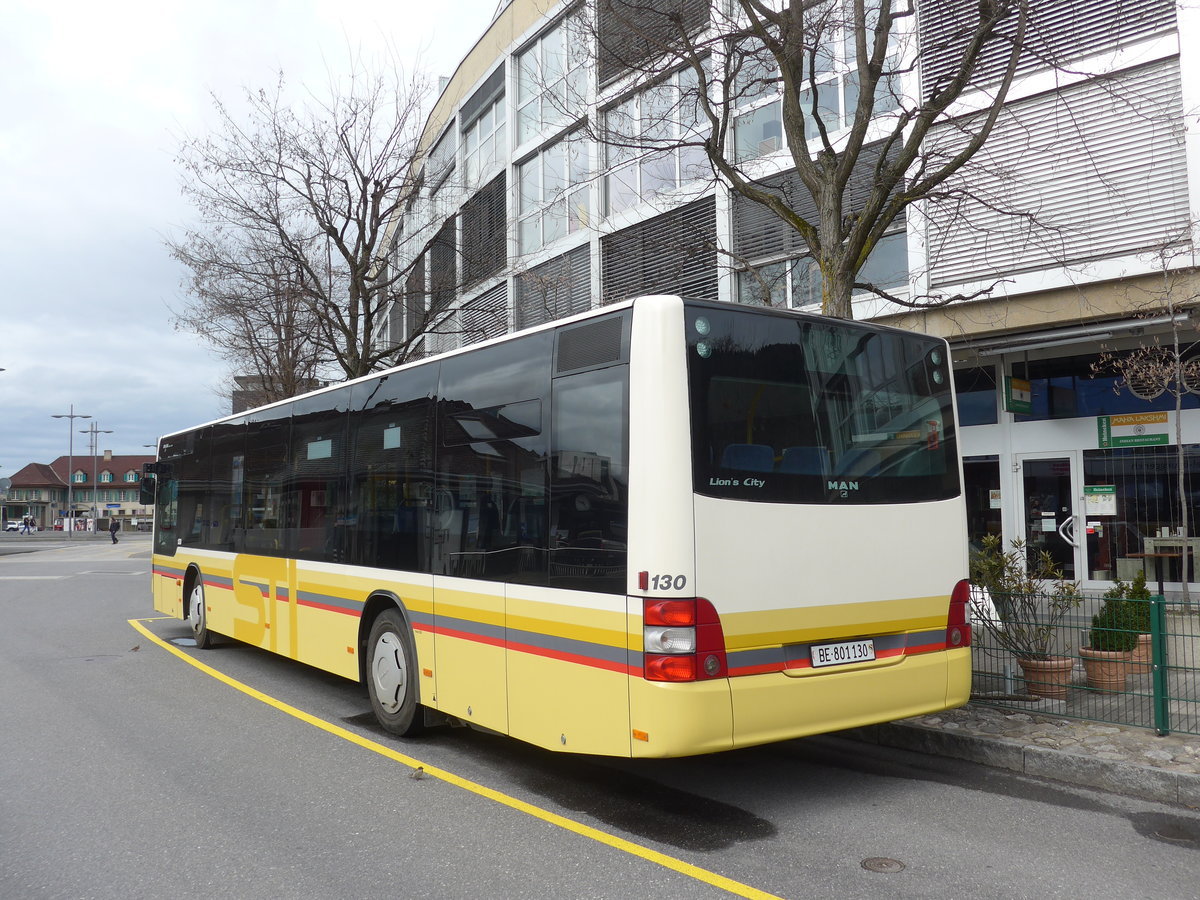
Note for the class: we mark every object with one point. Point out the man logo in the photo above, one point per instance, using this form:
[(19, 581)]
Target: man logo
[(843, 486)]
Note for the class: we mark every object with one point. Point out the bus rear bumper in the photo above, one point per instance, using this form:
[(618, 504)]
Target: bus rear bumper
[(776, 707), (710, 716)]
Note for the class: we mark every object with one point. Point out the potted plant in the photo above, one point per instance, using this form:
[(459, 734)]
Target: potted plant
[(1111, 641), (1020, 601), (1138, 596)]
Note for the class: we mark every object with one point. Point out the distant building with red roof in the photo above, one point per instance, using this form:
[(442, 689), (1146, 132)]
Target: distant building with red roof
[(107, 484)]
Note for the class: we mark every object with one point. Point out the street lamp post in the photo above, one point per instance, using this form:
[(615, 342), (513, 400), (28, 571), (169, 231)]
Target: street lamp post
[(95, 431), (70, 417)]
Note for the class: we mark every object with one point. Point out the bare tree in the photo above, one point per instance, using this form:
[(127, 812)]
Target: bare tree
[(309, 191), (255, 310), (1171, 366), (898, 142)]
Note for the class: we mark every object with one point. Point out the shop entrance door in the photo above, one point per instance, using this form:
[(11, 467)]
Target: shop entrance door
[(1050, 501)]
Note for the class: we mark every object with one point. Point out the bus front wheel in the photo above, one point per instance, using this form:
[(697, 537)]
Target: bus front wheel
[(198, 615), (391, 675)]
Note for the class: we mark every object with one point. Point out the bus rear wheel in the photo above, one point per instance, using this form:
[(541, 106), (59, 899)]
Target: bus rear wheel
[(391, 675), (198, 615)]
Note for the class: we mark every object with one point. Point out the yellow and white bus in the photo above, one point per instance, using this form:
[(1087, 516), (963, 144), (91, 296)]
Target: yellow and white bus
[(658, 529)]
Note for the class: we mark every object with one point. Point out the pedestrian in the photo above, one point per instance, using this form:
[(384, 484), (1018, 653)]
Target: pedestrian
[(113, 527), (25, 525)]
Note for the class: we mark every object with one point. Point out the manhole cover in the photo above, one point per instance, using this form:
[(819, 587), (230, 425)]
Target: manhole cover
[(882, 864)]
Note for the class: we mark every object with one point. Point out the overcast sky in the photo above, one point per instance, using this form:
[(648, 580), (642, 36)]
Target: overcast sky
[(94, 98)]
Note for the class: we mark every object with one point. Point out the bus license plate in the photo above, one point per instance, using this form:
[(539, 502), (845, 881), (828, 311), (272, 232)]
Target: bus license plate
[(840, 654)]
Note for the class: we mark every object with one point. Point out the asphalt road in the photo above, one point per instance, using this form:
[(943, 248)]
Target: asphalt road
[(127, 772)]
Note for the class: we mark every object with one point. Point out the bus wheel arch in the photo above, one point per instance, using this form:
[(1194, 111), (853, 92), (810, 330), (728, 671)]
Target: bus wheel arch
[(194, 608), (389, 666)]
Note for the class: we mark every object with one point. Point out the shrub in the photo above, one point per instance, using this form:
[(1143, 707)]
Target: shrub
[(1139, 603), (1030, 594), (1114, 628)]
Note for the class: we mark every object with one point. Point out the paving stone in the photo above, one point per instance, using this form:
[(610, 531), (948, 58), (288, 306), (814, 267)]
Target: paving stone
[(1131, 761)]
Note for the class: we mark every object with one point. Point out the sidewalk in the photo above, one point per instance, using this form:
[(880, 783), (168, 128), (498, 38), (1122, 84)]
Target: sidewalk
[(1131, 761)]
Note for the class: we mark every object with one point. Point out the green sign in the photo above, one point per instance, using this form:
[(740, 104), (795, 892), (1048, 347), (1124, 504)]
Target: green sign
[(1018, 396), (1131, 430)]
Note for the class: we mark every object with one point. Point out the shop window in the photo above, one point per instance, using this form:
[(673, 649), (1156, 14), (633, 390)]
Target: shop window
[(981, 487), (1068, 387), (975, 391), (1147, 512)]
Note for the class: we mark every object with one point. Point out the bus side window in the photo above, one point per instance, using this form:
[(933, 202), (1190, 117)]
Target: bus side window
[(589, 481), (391, 470)]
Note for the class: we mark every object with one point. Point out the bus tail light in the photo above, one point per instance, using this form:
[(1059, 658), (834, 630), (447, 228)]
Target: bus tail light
[(958, 621), (682, 640)]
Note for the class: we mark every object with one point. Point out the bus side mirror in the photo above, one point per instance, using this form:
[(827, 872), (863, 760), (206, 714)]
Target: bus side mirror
[(146, 490)]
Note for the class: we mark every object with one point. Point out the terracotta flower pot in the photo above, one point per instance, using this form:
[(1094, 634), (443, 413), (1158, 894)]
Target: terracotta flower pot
[(1143, 656), (1049, 678), (1106, 669)]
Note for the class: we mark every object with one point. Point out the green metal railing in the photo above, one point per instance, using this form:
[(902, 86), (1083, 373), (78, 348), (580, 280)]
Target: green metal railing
[(1156, 686)]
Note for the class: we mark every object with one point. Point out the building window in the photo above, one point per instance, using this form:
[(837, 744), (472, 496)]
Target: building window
[(797, 283), (674, 253), (975, 394), (483, 142), (758, 128), (630, 33), (559, 287), (106, 477), (654, 142), (551, 80), (441, 159), (414, 300), (485, 231), (79, 477), (131, 476), (443, 267), (553, 193)]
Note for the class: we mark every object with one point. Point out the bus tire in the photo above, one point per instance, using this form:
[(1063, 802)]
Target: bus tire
[(198, 615), (391, 675)]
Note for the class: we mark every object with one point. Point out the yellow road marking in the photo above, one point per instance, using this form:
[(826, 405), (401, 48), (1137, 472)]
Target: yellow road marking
[(595, 834)]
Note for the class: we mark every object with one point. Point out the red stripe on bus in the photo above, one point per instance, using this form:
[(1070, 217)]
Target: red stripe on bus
[(563, 656), (927, 648)]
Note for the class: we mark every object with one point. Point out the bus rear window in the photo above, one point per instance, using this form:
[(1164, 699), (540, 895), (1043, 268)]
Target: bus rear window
[(801, 409)]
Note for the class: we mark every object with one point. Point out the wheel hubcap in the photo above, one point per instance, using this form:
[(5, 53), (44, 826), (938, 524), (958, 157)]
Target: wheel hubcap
[(196, 611), (389, 672)]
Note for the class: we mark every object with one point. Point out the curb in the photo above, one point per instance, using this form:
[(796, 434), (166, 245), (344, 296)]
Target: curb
[(1114, 776)]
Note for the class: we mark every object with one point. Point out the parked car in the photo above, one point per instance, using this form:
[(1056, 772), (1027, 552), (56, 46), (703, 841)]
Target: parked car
[(10, 525)]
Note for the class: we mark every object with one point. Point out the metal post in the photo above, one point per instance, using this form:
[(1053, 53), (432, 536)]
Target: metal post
[(1158, 658), (70, 417)]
